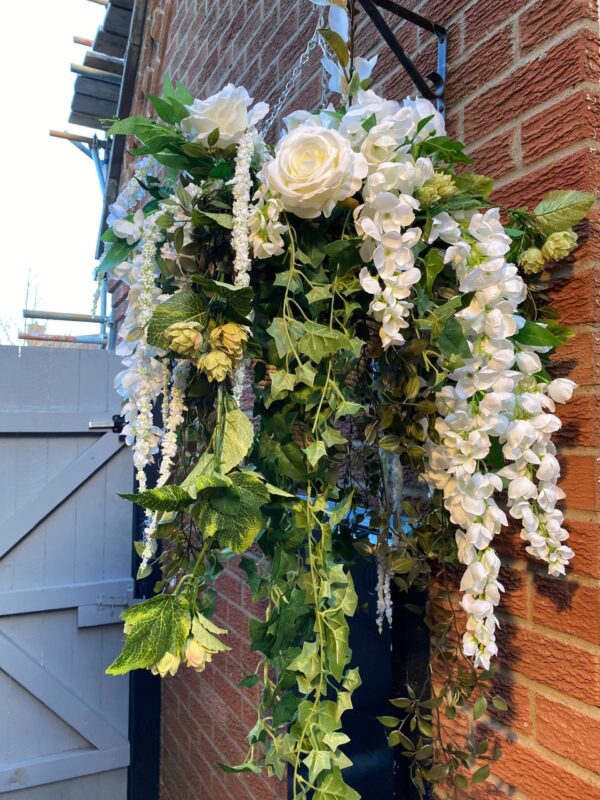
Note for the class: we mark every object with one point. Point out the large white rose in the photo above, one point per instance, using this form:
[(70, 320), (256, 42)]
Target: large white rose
[(312, 170), (228, 110)]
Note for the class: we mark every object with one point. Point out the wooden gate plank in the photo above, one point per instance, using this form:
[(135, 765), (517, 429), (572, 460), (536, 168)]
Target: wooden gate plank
[(57, 697), (24, 422), (56, 491), (51, 598), (60, 767)]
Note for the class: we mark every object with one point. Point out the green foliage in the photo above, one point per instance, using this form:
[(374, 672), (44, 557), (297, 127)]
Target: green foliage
[(560, 210), (158, 626), (232, 514), (164, 498), (184, 306)]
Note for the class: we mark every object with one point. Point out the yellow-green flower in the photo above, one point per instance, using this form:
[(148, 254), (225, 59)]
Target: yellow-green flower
[(436, 189), (184, 338), (203, 644), (229, 338), (216, 365), (558, 245), (532, 260), (168, 664)]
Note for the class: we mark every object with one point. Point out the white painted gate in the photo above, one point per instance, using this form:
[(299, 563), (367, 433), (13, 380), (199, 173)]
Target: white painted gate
[(65, 566)]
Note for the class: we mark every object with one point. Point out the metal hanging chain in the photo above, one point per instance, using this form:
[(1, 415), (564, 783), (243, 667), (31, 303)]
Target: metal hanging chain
[(314, 42)]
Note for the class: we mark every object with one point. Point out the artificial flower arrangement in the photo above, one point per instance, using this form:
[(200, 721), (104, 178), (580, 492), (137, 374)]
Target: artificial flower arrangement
[(366, 289)]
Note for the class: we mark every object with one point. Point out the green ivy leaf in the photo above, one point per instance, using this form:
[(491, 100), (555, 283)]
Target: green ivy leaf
[(315, 452), (183, 306), (333, 787), (178, 91), (246, 767), (282, 383), (318, 293), (340, 511), (560, 210), (158, 626), (499, 703), (285, 335), (320, 341), (317, 761), (163, 498)]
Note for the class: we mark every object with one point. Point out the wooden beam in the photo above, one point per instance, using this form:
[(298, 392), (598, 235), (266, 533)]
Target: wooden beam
[(96, 88), (56, 491), (118, 21), (103, 62), (61, 767), (32, 676), (93, 106), (82, 40), (51, 598), (27, 422), (86, 120), (92, 72), (110, 43)]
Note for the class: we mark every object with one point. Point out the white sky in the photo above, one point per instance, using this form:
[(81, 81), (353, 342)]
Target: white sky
[(50, 200)]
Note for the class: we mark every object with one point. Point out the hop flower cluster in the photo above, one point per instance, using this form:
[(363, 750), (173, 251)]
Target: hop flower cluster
[(494, 396)]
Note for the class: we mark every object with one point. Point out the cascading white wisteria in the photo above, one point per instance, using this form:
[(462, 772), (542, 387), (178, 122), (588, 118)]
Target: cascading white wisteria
[(494, 395), (173, 418), (384, 220)]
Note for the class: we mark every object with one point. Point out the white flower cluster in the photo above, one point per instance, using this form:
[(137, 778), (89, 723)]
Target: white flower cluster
[(242, 186), (384, 220), (142, 380), (131, 194), (494, 395)]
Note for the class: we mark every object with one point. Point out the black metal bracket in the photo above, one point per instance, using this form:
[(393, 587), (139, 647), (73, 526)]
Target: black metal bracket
[(433, 85)]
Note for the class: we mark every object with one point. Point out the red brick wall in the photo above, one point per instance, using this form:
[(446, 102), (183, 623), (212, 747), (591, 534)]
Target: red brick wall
[(523, 93)]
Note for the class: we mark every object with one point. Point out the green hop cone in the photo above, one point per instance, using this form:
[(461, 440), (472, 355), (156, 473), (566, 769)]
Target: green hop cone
[(230, 338), (184, 338), (558, 245), (216, 365), (532, 261), (436, 189)]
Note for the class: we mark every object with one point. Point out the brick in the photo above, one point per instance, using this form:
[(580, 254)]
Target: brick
[(564, 730), (496, 156), (480, 66), (566, 605), (486, 14), (578, 359), (515, 600), (562, 67), (585, 541), (537, 776), (518, 715), (547, 17), (579, 479), (567, 668), (577, 297), (580, 422), (571, 120), (578, 170)]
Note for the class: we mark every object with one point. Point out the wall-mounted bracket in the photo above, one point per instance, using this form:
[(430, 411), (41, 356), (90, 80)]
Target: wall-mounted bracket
[(433, 85)]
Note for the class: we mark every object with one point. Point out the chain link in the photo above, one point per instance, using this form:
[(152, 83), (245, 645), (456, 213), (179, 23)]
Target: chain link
[(314, 42)]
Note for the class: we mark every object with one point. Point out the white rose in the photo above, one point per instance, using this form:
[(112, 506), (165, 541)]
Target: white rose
[(228, 110), (313, 169)]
